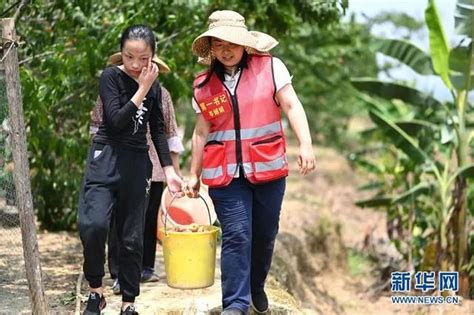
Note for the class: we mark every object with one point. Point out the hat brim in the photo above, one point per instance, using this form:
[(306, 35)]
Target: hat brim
[(254, 42), (116, 59)]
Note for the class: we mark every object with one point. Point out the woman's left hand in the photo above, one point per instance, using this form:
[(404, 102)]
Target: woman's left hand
[(306, 160)]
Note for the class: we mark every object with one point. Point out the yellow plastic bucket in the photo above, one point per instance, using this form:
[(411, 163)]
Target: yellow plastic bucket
[(190, 257)]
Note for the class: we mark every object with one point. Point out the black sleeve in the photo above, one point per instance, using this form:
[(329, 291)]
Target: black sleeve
[(116, 115), (157, 129)]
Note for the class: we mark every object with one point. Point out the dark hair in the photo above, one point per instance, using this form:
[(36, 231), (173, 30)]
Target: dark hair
[(217, 67), (137, 32)]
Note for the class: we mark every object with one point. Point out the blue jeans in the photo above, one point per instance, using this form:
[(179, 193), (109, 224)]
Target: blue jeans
[(249, 215)]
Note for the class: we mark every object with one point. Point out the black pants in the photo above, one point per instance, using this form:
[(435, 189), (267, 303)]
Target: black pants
[(116, 180), (149, 237)]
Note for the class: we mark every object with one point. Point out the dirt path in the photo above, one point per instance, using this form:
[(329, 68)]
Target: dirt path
[(340, 287), (331, 193), (61, 258)]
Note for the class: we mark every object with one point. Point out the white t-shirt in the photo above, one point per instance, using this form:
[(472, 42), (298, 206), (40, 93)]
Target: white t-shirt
[(280, 72)]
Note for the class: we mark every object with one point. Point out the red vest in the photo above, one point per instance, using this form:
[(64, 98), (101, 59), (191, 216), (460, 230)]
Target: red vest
[(245, 128)]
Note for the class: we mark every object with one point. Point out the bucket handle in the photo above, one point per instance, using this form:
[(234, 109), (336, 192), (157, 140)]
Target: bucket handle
[(176, 197)]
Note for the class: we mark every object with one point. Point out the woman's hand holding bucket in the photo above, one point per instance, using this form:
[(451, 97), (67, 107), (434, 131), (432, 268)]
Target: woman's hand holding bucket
[(174, 182), (191, 188)]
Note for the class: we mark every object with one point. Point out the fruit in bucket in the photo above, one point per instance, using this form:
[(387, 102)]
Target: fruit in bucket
[(194, 227), (191, 228)]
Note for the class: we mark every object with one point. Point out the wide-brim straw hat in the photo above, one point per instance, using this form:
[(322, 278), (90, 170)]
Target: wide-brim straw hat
[(230, 26), (116, 59)]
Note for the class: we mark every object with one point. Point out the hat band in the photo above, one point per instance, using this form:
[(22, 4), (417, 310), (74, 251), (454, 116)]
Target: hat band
[(226, 23)]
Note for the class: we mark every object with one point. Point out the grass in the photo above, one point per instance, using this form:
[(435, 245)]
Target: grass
[(358, 263), (68, 298)]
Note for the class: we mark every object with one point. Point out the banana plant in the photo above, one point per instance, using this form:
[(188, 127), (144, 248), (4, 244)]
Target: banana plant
[(442, 168)]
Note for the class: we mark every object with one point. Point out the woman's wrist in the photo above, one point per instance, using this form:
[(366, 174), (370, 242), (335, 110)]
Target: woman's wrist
[(194, 174), (139, 97), (308, 143), (168, 169)]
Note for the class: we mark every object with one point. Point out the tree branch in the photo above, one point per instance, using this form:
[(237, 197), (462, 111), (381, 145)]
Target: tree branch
[(19, 10), (3, 14), (45, 54)]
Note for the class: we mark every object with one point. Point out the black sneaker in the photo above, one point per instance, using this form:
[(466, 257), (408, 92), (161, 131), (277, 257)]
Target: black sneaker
[(95, 304), (130, 310), (260, 302)]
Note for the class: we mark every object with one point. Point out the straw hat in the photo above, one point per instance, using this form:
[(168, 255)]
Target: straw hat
[(116, 59), (230, 26)]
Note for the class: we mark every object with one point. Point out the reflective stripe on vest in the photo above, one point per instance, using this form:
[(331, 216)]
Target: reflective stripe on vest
[(245, 134), (276, 164), (211, 173)]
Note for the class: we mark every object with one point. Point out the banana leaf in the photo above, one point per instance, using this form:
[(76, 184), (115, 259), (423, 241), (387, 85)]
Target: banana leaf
[(459, 58), (379, 201), (399, 138), (459, 81), (464, 18), (439, 48), (466, 171), (390, 91), (405, 52), (375, 202), (371, 186), (460, 64), (368, 166), (422, 188), (413, 127)]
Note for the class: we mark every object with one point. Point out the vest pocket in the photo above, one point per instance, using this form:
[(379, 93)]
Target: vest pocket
[(268, 159), (214, 172)]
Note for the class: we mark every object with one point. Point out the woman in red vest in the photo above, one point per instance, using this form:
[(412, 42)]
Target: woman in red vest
[(238, 150)]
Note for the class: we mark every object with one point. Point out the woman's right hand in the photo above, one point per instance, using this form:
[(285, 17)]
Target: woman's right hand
[(148, 75), (191, 188), (174, 182)]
